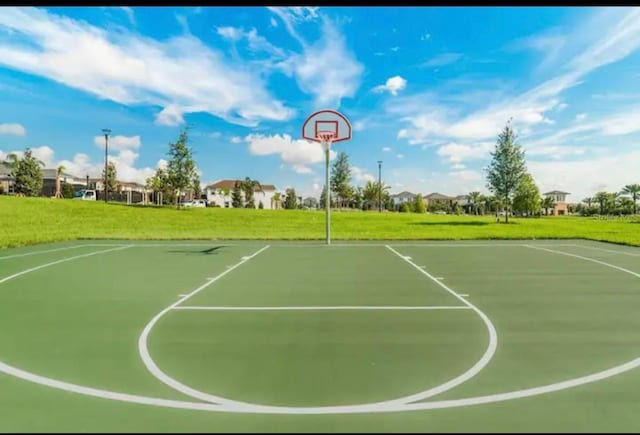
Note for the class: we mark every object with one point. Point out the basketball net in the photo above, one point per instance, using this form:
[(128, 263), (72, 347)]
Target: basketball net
[(326, 137)]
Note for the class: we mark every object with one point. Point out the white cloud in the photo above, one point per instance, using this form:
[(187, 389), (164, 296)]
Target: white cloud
[(458, 166), (236, 139), (392, 85), (13, 129), (81, 165), (273, 22), (425, 37), (556, 152), (118, 143), (360, 175), (430, 121), (214, 134), (329, 85), (130, 69), (581, 117), (456, 152), (400, 156), (130, 14), (256, 43), (561, 106), (394, 49), (442, 60), (296, 153), (386, 149), (466, 175), (358, 126)]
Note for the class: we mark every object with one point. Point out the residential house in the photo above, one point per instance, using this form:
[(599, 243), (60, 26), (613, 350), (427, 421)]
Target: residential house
[(561, 206), (219, 193), (439, 201), (7, 181), (49, 181), (401, 198), (310, 202)]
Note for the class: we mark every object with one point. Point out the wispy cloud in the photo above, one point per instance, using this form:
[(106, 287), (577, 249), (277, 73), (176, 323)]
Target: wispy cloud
[(131, 69), (442, 60)]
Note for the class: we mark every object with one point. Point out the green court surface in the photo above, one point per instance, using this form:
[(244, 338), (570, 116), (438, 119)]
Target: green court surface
[(209, 336)]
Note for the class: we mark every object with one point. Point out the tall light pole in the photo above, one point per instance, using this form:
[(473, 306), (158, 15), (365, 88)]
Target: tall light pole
[(380, 186), (106, 132)]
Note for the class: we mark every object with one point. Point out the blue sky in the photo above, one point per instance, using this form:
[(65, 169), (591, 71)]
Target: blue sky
[(427, 91)]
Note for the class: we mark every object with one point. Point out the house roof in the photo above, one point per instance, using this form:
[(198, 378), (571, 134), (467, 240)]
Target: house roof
[(436, 195), (230, 184), (403, 194), (556, 192)]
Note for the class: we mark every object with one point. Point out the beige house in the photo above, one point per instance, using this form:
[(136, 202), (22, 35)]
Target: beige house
[(220, 194), (560, 198)]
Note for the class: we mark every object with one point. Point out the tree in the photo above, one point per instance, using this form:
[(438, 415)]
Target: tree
[(527, 196), (248, 186), (290, 201), (601, 198), (341, 177), (195, 186), (260, 205), (159, 183), (371, 191), (588, 200), (28, 176), (12, 161), (236, 195), (634, 191), (111, 176), (67, 190), (547, 202), (405, 207), (474, 197), (323, 196), (418, 204), (507, 167), (275, 200), (181, 168), (358, 198)]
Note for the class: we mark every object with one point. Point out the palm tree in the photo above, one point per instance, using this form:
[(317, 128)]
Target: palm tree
[(275, 200), (588, 200), (601, 198), (475, 200), (547, 203), (59, 172), (12, 161), (634, 191)]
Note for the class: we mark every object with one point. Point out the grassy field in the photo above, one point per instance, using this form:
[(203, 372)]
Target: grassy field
[(28, 221)]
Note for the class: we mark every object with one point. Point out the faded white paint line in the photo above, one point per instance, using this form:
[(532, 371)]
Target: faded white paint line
[(322, 308), (464, 295), (33, 269), (6, 257), (604, 250)]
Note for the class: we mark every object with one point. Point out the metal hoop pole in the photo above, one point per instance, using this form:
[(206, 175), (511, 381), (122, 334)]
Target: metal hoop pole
[(327, 145)]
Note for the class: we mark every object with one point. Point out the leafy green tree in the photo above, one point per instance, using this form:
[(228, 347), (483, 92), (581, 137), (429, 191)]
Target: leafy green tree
[(507, 167), (405, 207), (588, 200), (341, 178), (323, 197), (475, 198), (236, 195), (290, 200), (260, 205), (159, 183), (418, 204), (181, 168), (527, 196), (112, 183), (371, 191), (602, 199), (357, 199), (634, 191), (67, 190), (275, 200), (195, 186), (248, 187), (547, 203), (28, 175)]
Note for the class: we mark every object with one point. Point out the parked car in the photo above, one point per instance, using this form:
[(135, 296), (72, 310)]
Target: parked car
[(195, 203), (85, 195)]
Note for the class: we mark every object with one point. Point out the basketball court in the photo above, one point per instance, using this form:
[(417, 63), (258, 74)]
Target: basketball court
[(287, 336)]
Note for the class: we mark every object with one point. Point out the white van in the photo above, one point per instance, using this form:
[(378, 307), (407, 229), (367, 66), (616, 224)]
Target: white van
[(85, 195)]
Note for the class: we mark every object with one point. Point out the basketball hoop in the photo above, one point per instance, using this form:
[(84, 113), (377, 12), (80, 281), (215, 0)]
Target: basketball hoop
[(327, 127)]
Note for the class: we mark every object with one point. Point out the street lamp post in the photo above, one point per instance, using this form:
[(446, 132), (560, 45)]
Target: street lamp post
[(106, 132), (380, 186)]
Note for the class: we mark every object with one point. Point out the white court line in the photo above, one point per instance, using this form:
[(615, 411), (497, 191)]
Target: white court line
[(480, 364), (33, 269), (464, 295), (310, 308), (454, 403), (42, 252), (150, 364), (593, 260), (605, 250)]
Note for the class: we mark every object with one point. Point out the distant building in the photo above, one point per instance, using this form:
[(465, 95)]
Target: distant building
[(220, 194), (402, 197), (560, 198)]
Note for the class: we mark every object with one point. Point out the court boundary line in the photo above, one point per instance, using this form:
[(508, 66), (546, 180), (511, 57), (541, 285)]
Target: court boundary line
[(6, 257), (324, 308), (453, 403)]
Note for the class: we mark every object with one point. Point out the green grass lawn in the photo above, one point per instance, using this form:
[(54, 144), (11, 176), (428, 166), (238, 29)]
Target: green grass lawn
[(38, 220)]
